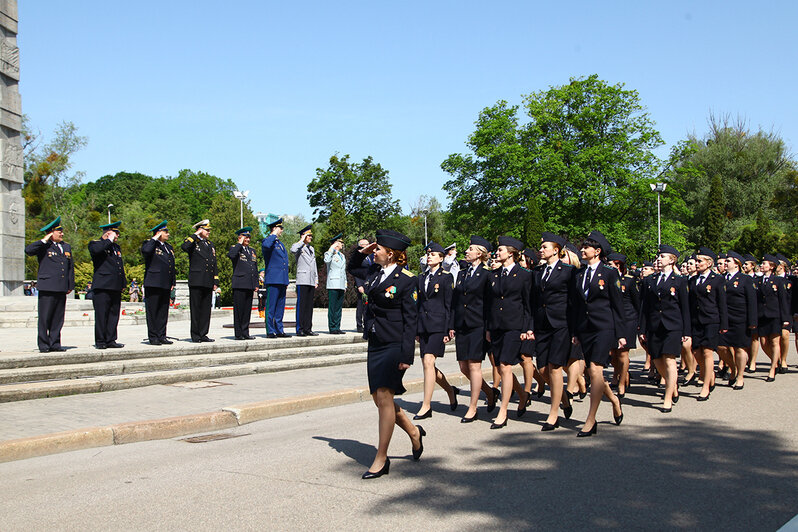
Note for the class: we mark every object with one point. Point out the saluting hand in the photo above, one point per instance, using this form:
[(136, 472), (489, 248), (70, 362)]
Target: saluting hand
[(368, 250), (47, 237), (240, 239)]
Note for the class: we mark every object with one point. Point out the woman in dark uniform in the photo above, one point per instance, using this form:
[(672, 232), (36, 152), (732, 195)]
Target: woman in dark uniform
[(707, 296), (467, 326), (735, 343), (553, 305), (528, 261), (773, 310), (599, 324), (390, 326), (575, 369), (509, 321), (631, 312), (434, 308), (665, 319), (751, 269)]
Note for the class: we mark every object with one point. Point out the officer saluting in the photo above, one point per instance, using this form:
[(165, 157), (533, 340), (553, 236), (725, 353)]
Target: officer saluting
[(275, 279), (107, 284), (307, 280), (55, 279), (159, 279), (245, 282), (203, 278)]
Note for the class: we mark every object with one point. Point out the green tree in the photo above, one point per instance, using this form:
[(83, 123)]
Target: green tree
[(363, 189), (715, 215), (533, 223), (758, 238), (586, 152)]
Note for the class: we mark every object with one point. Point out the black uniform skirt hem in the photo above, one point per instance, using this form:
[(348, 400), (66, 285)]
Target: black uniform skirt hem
[(664, 342), (631, 336), (596, 346), (528, 347), (431, 344), (738, 335), (470, 344), (706, 335), (383, 366), (768, 327), (506, 346), (553, 346)]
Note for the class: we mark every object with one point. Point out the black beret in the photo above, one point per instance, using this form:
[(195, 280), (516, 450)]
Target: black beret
[(615, 256), (479, 241), (570, 246), (530, 254), (648, 264), (551, 237), (665, 248), (707, 253), (512, 242), (734, 255), (772, 258), (783, 258), (749, 258), (392, 239), (434, 246), (601, 240)]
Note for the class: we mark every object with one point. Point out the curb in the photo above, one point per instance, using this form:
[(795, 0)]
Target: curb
[(166, 428)]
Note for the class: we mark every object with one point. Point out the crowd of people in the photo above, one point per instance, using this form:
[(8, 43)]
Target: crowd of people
[(564, 313)]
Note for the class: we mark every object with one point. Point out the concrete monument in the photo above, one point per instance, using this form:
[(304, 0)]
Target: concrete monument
[(12, 206)]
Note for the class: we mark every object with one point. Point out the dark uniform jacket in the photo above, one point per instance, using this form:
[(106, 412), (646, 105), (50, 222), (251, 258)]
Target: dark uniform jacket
[(435, 302), (741, 300), (772, 298), (602, 309), (159, 264), (275, 259), (708, 301), (667, 304), (631, 299), (510, 308), (245, 267), (470, 300), (109, 270), (56, 269), (391, 313), (554, 301), (202, 268), (368, 261)]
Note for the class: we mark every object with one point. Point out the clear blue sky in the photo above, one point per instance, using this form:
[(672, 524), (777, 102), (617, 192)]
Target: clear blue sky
[(264, 92)]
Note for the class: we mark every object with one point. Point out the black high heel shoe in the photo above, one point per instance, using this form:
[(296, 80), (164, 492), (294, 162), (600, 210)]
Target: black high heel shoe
[(425, 415), (499, 425), (421, 434), (591, 432), (468, 419), (690, 381), (368, 475), (455, 392), (541, 390), (618, 419), (568, 411), (491, 405), (675, 399), (770, 379), (547, 427), (704, 398)]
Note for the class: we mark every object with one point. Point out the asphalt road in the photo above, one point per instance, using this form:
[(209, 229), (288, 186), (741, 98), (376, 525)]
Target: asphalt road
[(725, 464)]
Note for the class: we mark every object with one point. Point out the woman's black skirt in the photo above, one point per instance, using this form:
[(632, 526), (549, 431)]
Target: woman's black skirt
[(431, 343), (738, 335), (553, 346), (471, 344), (768, 327), (706, 335), (383, 366), (596, 346), (506, 346), (664, 342)]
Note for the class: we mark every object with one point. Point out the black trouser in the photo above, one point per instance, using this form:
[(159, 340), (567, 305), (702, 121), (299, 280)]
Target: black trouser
[(304, 308), (199, 300), (51, 318), (106, 315), (156, 305), (242, 310), (360, 312)]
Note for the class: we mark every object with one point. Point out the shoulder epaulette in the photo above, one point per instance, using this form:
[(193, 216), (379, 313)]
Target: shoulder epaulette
[(189, 239), (407, 272)]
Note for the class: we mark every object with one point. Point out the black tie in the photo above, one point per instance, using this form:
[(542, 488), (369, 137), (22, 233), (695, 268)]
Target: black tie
[(470, 272), (588, 276), (661, 279), (546, 275)]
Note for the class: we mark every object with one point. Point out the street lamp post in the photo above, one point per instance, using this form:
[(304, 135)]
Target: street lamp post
[(659, 188), (109, 211), (425, 229), (241, 196)]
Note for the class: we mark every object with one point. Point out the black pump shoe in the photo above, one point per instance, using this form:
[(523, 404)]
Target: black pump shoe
[(499, 425), (492, 405), (425, 415), (368, 475), (568, 411), (591, 432), (421, 434), (468, 419), (549, 426), (453, 404)]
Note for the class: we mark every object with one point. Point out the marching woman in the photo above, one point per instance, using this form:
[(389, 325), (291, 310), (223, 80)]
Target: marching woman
[(467, 325), (434, 308), (735, 343), (782, 271), (599, 324), (751, 269), (509, 321), (773, 310), (631, 311), (528, 261), (575, 369), (390, 326), (553, 306), (665, 319), (708, 314)]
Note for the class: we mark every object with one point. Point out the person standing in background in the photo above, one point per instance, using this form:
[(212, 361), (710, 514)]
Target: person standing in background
[(275, 279), (159, 281), (245, 282), (56, 279), (307, 280), (107, 285), (336, 283)]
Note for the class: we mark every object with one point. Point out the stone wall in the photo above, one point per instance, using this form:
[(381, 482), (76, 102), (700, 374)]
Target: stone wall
[(12, 206)]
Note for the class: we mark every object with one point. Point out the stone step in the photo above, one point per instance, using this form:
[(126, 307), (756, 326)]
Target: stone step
[(37, 390), (87, 354), (172, 363)]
